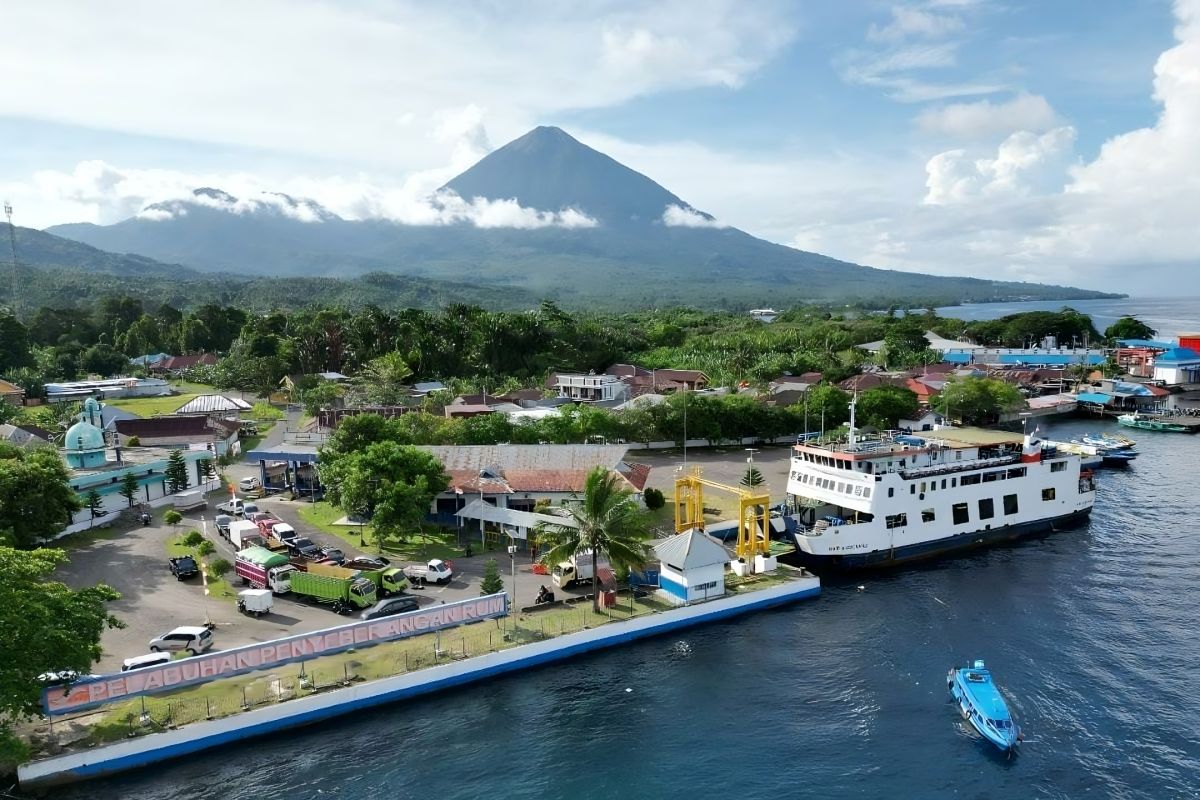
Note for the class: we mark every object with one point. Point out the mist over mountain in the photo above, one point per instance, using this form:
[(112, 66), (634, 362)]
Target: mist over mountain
[(544, 214)]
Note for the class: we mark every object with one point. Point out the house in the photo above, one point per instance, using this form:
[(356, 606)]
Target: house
[(1177, 366), (332, 377), (426, 388), (1123, 395), (329, 418), (149, 359), (928, 421), (194, 432), (25, 436), (923, 389), (177, 365), (656, 381), (1136, 356), (936, 342), (692, 568), (12, 393), (213, 404), (591, 387), (109, 414)]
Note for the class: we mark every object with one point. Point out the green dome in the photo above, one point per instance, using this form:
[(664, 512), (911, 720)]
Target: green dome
[(83, 436)]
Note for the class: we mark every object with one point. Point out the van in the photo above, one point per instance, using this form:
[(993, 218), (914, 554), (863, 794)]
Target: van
[(148, 660), (249, 484), (192, 638)]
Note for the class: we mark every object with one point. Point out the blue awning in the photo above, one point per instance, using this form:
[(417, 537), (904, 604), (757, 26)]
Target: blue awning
[(1094, 397)]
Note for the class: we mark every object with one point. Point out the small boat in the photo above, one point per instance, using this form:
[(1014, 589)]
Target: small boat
[(1110, 455), (1108, 441), (1146, 423), (981, 704)]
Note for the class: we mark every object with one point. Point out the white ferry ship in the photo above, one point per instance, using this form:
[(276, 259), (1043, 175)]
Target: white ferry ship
[(889, 498)]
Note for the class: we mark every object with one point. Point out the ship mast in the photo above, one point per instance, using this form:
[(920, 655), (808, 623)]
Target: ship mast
[(853, 403)]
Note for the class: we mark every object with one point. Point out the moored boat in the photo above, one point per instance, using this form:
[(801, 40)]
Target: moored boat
[(1147, 423), (982, 705)]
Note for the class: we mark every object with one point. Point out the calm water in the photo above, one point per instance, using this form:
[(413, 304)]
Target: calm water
[(1094, 634), (1168, 315)]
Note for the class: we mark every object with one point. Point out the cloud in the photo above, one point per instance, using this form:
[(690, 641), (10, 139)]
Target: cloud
[(914, 22), (1020, 162), (677, 216), (1028, 112)]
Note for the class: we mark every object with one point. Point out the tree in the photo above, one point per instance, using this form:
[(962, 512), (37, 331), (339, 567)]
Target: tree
[(653, 498), (1129, 328), (206, 548), (828, 406), (384, 378), (176, 472), (133, 441), (36, 498), (48, 627), (129, 487), (15, 349), (103, 359), (172, 518), (218, 567), (607, 520), (752, 477), (491, 583), (193, 538), (883, 406), (978, 401), (8, 411), (94, 504)]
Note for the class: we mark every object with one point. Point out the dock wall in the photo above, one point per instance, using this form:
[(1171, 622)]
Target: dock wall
[(152, 748)]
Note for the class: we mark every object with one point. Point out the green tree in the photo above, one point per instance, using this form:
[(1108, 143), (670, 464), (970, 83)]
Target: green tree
[(133, 441), (491, 583), (653, 498), (15, 350), (208, 470), (206, 548), (103, 359), (176, 472), (48, 627), (193, 538), (36, 499), (828, 406), (219, 567), (383, 378), (94, 504), (978, 401), (1129, 328), (172, 518), (607, 520), (8, 411), (752, 477), (883, 406), (129, 488)]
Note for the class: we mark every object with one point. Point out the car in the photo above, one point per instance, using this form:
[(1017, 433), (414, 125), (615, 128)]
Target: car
[(235, 508), (367, 562), (249, 484), (304, 547), (399, 604), (250, 428), (223, 522), (258, 516), (250, 508), (192, 638), (183, 567), (333, 554), (284, 532), (148, 660)]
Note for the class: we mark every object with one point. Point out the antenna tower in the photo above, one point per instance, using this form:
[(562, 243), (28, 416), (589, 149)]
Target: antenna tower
[(12, 243)]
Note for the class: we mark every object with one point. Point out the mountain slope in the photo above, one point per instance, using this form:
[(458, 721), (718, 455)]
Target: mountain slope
[(629, 257)]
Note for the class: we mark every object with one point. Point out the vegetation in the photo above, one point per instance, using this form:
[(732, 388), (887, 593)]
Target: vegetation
[(977, 401), (751, 477), (94, 504), (48, 627), (36, 499), (193, 538), (491, 583), (176, 472), (883, 406), (607, 521), (1129, 328), (218, 567), (653, 498), (129, 488), (172, 518)]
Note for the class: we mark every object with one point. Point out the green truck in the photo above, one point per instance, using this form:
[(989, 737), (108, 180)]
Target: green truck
[(388, 580), (343, 594)]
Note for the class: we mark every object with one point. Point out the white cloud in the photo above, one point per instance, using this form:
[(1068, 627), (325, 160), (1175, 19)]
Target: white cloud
[(678, 216), (909, 22), (1018, 166), (1026, 112)]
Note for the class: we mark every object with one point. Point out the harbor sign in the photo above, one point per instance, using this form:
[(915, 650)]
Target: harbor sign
[(93, 692)]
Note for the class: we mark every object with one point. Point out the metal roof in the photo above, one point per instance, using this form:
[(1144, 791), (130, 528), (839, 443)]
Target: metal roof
[(211, 403), (1150, 343), (1093, 397), (691, 550), (521, 520), (975, 437), (1177, 355), (957, 358)]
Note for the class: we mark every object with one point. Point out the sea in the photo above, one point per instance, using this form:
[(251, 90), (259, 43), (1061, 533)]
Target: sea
[(1170, 316), (1092, 633)]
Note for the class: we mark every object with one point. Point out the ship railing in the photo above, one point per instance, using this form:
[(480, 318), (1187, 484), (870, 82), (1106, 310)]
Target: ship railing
[(924, 472)]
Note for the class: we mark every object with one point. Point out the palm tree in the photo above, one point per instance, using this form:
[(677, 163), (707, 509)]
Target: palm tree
[(607, 520)]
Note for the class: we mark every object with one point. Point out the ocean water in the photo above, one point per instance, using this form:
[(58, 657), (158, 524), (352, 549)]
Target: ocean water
[(1093, 634), (1170, 316)]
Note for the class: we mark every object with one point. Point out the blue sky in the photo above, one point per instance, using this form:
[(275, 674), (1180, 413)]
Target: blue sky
[(985, 137)]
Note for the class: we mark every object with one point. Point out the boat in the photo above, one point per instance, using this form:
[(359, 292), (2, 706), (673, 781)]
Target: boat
[(1108, 455), (1148, 423), (981, 704), (867, 501), (1108, 441), (1089, 457)]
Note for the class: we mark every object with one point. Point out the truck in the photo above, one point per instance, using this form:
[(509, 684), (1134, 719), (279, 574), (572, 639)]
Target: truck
[(184, 567), (234, 507), (436, 571), (577, 570), (343, 594), (263, 569), (186, 501), (387, 580), (240, 531), (255, 602), (277, 528)]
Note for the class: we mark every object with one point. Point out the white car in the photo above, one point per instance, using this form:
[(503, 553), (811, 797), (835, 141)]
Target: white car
[(192, 638), (249, 484)]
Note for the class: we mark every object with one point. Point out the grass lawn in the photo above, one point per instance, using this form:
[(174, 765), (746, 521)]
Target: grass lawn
[(149, 406), (433, 542), (217, 587)]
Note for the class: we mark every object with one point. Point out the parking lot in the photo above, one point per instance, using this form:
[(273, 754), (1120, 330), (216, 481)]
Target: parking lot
[(723, 465)]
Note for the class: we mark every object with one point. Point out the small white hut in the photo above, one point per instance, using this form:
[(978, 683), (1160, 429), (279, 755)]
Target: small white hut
[(693, 568)]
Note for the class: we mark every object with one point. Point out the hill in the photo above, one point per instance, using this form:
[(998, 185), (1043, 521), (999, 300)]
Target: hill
[(618, 248)]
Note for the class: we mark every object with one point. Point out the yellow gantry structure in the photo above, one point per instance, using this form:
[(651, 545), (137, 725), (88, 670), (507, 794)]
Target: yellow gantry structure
[(753, 512)]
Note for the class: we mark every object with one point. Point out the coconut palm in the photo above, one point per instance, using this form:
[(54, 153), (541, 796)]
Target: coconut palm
[(607, 520)]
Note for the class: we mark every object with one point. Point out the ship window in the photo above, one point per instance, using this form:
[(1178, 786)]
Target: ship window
[(987, 508), (1058, 466), (927, 515), (943, 483), (1048, 494), (1010, 504), (954, 481), (970, 480), (991, 476), (961, 515), (896, 520), (891, 491), (922, 487), (866, 491), (1018, 472), (912, 488), (933, 486)]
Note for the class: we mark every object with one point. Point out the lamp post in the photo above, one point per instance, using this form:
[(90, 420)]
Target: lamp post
[(512, 557)]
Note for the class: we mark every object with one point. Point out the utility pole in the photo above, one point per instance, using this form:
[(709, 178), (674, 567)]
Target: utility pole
[(12, 243)]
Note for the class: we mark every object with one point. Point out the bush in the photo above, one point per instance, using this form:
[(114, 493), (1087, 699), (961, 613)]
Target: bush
[(172, 517), (133, 441), (218, 567), (654, 499), (266, 411), (206, 548), (193, 538)]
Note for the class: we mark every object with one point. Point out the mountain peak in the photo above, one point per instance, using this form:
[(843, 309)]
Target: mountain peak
[(550, 170)]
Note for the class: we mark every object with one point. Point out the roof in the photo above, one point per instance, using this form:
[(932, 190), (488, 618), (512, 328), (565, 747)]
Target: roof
[(1048, 358), (481, 509), (1147, 343), (1177, 355), (636, 474), (213, 403), (109, 414), (957, 358), (331, 376), (10, 388), (1093, 397), (428, 386), (300, 453), (196, 426), (691, 550), (24, 435), (511, 468), (976, 437), (680, 375), (185, 362)]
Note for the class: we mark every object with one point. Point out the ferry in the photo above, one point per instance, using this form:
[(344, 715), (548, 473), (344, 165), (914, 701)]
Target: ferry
[(889, 498), (981, 704)]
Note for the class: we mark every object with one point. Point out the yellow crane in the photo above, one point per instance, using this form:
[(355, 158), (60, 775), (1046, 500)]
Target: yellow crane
[(753, 512)]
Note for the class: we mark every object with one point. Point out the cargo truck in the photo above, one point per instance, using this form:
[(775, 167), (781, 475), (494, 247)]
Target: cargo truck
[(343, 594), (387, 580), (240, 531), (263, 569), (187, 501), (577, 570)]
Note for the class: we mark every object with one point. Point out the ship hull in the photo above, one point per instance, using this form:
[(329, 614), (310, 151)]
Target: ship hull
[(937, 548)]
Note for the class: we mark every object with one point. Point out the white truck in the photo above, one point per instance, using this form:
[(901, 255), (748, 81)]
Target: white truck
[(255, 602), (578, 570), (186, 501), (241, 531), (436, 571), (234, 507)]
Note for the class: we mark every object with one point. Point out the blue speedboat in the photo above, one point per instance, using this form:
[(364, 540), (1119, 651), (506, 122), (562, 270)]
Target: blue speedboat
[(983, 706)]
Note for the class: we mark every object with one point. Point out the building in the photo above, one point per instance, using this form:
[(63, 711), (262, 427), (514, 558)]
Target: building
[(426, 388), (107, 389), (12, 393), (692, 568), (1177, 366), (1136, 356), (936, 342), (1119, 396), (1017, 357), (198, 431), (658, 381), (25, 436), (591, 387), (213, 404), (177, 365)]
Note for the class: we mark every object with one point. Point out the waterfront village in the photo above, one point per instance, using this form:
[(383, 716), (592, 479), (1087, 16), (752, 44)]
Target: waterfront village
[(276, 540)]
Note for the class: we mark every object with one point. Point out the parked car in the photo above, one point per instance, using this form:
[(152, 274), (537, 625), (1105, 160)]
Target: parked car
[(192, 638), (393, 605), (258, 516), (184, 567), (148, 660), (250, 508), (249, 484), (333, 554), (367, 562), (304, 547), (284, 532), (223, 523)]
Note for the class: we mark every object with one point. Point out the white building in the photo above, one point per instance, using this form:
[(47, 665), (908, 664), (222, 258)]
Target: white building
[(107, 389), (693, 568), (1177, 366), (590, 388)]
